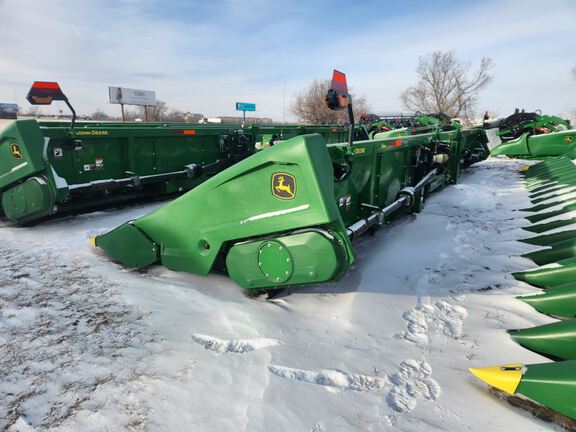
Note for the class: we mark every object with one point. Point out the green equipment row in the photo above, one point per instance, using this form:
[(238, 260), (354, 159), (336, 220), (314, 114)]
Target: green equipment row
[(49, 168)]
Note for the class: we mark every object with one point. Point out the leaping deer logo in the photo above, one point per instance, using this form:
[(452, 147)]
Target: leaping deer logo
[(16, 152), (284, 186)]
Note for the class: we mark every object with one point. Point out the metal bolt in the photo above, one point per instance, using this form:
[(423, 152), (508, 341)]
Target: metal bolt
[(287, 273), (287, 259), (277, 279), (269, 245), (280, 248), (259, 263)]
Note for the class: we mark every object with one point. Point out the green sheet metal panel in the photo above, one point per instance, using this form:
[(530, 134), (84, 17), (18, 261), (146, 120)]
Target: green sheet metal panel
[(241, 202), (21, 150)]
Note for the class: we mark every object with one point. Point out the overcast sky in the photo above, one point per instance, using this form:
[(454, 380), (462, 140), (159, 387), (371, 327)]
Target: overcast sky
[(203, 56)]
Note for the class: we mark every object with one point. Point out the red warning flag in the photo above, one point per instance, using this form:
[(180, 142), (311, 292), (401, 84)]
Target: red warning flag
[(339, 82)]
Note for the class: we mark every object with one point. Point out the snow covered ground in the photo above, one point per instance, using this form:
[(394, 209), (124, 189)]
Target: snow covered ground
[(86, 345), (4, 123)]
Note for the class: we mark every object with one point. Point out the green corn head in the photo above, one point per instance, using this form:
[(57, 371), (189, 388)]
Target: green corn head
[(287, 215)]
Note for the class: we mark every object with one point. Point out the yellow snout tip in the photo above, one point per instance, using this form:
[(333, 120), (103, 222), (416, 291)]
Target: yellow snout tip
[(92, 241), (505, 377)]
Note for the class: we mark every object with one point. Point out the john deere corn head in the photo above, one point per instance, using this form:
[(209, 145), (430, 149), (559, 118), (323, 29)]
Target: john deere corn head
[(531, 134), (287, 215), (51, 168), (551, 184)]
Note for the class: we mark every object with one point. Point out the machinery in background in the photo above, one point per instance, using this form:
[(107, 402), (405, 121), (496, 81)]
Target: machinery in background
[(533, 123), (403, 123), (49, 169), (532, 135)]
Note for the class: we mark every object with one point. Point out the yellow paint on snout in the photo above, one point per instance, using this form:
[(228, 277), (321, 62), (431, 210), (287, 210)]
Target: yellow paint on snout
[(506, 377)]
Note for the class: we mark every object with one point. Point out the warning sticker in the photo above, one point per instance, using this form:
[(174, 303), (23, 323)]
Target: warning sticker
[(98, 163), (346, 202), (58, 153)]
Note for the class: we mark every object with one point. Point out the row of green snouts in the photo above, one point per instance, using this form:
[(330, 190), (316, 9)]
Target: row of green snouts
[(551, 184), (286, 216), (47, 168)]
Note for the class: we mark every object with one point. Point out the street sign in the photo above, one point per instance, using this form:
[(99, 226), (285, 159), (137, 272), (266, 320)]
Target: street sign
[(244, 106), (127, 96)]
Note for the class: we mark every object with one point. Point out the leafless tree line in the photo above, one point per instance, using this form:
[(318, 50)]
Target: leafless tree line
[(445, 85)]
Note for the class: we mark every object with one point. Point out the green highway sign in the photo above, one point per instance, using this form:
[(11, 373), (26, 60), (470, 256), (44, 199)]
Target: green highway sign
[(244, 106)]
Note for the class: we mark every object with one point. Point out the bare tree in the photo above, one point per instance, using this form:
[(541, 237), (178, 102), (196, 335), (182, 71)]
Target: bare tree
[(155, 113), (446, 85), (310, 106)]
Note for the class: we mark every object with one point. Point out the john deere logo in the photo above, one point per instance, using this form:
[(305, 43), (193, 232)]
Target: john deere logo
[(284, 186), (16, 152), (569, 139)]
